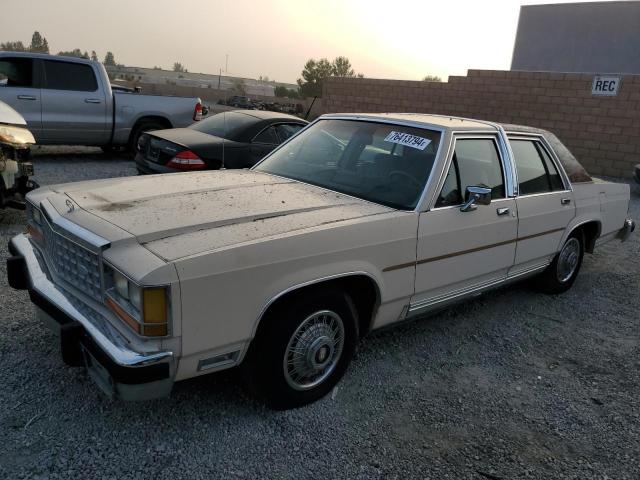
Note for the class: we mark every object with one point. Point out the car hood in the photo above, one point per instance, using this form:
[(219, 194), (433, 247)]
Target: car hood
[(185, 214)]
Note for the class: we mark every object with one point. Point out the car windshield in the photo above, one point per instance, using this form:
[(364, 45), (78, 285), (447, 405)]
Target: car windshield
[(229, 125), (379, 162)]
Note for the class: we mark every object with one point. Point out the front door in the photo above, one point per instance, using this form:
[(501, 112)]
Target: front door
[(460, 252), (20, 89), (73, 106)]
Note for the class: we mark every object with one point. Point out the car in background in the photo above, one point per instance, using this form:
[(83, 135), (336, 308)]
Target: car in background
[(15, 152), (70, 101), (636, 173), (239, 101), (234, 139)]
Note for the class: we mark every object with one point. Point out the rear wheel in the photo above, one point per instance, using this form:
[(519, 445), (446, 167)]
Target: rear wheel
[(303, 349), (560, 275), (140, 129)]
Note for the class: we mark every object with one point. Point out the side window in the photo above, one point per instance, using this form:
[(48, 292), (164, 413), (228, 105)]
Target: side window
[(475, 162), (536, 171), (268, 135), (16, 72), (554, 176), (69, 76), (450, 194), (286, 130)]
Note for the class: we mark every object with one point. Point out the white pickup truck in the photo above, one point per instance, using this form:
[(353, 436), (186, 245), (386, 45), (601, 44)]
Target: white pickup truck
[(69, 101), (356, 223)]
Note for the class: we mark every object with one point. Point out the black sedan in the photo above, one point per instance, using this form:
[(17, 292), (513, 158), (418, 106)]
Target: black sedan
[(234, 139)]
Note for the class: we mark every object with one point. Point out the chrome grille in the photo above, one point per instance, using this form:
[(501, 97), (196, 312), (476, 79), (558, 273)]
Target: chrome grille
[(74, 264)]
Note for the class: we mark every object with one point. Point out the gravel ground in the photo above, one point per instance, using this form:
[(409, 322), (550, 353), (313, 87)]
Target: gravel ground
[(513, 384)]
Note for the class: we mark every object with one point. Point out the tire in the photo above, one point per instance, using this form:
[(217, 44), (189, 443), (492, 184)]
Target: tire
[(139, 130), (302, 336), (563, 271)]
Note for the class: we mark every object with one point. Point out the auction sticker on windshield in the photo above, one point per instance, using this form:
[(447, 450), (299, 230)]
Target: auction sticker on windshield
[(408, 140)]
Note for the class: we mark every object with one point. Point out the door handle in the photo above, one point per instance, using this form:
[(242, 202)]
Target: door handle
[(26, 97), (565, 201), (92, 100), (502, 211)]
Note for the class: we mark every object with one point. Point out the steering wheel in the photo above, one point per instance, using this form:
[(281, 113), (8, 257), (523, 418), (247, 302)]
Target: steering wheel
[(416, 183)]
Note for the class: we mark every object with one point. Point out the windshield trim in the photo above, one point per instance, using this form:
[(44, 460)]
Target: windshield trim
[(422, 126)]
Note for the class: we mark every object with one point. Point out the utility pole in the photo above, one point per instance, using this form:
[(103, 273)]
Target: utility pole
[(226, 64)]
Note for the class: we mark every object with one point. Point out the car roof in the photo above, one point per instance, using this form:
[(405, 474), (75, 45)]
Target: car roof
[(423, 119), (46, 56), (268, 115)]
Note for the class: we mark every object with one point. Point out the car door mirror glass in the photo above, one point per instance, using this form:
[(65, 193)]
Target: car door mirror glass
[(476, 195)]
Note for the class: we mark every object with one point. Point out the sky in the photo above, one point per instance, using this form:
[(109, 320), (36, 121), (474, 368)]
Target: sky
[(400, 39)]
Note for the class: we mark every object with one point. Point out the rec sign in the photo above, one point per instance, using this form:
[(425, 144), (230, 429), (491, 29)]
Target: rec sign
[(605, 86)]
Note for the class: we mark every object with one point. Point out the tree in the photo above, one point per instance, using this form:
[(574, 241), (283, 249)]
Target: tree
[(432, 78), (342, 67), (76, 52), (109, 60), (264, 78), (310, 85), (178, 67), (39, 44), (94, 56), (13, 46), (239, 86), (282, 91)]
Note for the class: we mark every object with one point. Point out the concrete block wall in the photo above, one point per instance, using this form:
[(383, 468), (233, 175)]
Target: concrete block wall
[(602, 132)]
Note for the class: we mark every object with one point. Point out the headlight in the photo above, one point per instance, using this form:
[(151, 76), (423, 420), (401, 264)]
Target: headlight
[(135, 296), (144, 309), (122, 284)]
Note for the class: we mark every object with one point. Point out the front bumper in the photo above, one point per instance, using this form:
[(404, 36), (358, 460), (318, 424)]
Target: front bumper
[(117, 369)]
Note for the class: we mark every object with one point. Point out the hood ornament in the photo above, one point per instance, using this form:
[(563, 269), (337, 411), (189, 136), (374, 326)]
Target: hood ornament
[(70, 205)]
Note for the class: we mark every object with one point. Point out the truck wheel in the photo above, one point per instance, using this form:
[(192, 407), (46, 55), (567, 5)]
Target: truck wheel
[(303, 349), (560, 275), (139, 130)]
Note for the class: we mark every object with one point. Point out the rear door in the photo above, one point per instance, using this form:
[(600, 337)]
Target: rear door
[(20, 89), (74, 107), (545, 202)]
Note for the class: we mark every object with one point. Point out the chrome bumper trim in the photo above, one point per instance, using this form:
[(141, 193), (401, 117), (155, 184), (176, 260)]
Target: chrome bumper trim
[(110, 342)]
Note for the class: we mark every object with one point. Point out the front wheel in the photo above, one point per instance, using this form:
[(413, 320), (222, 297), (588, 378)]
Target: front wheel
[(303, 349), (560, 275)]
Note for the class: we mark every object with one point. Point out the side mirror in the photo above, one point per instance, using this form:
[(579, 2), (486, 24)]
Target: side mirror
[(476, 196)]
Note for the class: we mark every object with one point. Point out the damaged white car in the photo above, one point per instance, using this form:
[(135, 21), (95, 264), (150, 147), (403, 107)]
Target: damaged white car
[(356, 223), (15, 164)]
